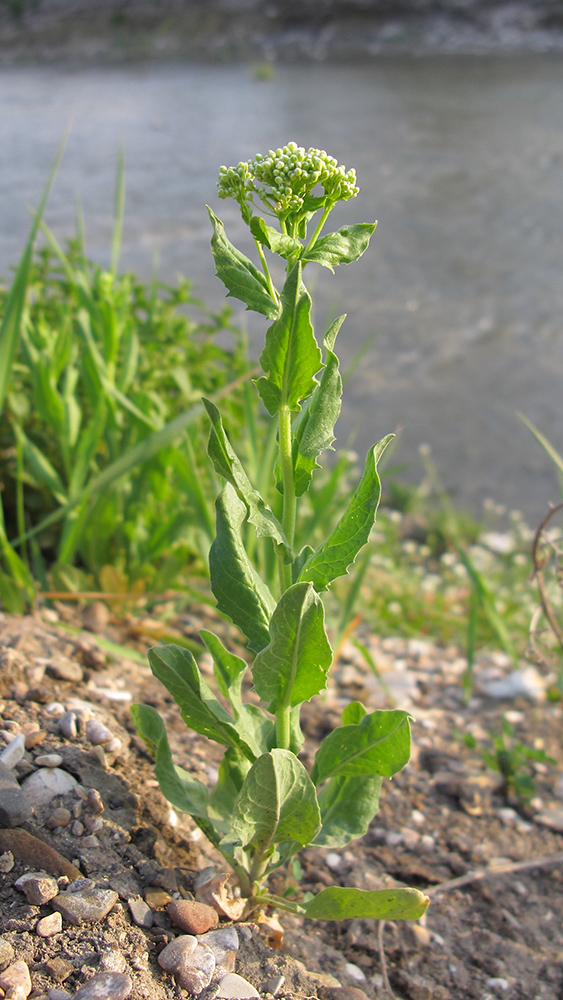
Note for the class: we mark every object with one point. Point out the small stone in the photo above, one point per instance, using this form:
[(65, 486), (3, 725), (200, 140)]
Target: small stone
[(112, 959), (344, 993), (97, 733), (32, 739), (497, 983), (68, 725), (46, 784), (333, 861), (59, 969), (95, 801), (273, 985), (50, 925), (95, 616), (114, 745), (77, 829), (36, 854), (85, 905), (6, 953), (234, 987), (54, 708), (38, 889), (355, 972), (16, 975), (6, 862), (140, 911), (59, 817), (91, 841), (525, 683), (421, 935), (224, 944), (552, 818), (13, 753), (157, 898), (56, 994), (48, 760), (105, 986), (15, 808), (63, 669), (193, 917), (93, 824), (176, 959)]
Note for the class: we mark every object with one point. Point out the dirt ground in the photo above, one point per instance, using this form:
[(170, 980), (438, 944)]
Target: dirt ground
[(447, 824)]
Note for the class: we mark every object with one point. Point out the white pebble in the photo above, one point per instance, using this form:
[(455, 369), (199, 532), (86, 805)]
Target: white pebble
[(44, 785), (355, 972), (97, 733), (49, 760), (47, 926), (54, 708), (496, 983), (13, 753), (334, 861)]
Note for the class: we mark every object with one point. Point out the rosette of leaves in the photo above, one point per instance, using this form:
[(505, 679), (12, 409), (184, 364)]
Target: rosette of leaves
[(266, 806)]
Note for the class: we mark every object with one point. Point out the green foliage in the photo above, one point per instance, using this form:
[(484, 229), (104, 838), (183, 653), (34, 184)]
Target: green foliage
[(265, 805), (103, 377), (514, 761)]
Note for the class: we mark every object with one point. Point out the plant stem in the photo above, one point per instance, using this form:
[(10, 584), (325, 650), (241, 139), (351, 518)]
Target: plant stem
[(283, 727), (289, 498), (316, 234), (266, 270)]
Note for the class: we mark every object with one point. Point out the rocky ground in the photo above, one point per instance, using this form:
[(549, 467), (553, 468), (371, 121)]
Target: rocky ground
[(115, 31), (104, 889)]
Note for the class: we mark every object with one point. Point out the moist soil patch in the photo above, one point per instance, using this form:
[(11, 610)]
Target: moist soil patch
[(447, 824)]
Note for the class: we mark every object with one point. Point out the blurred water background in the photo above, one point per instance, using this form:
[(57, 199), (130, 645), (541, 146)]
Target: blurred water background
[(461, 161)]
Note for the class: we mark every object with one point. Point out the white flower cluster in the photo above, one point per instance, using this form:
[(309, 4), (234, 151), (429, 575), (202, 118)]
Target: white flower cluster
[(283, 178)]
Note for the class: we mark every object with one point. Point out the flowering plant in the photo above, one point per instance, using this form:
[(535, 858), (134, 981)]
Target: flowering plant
[(266, 806)]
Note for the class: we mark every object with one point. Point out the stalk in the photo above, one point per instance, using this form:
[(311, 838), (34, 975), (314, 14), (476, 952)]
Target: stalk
[(266, 270), (318, 230)]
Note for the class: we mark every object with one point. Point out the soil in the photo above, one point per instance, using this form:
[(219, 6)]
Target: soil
[(492, 866)]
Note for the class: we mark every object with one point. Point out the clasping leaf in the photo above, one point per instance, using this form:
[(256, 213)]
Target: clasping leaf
[(342, 247), (378, 745), (276, 803), (293, 667), (239, 275), (334, 557), (280, 243)]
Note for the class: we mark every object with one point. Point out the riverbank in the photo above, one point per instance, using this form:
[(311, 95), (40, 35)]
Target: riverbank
[(56, 31)]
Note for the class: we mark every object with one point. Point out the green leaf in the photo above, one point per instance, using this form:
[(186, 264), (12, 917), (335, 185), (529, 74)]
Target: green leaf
[(300, 560), (352, 713), (232, 772), (342, 247), (176, 668), (280, 243), (254, 727), (183, 792), (291, 357), (228, 466), (239, 591), (39, 466), (239, 275), (276, 803), (379, 744), (338, 552), (314, 427), (293, 667), (339, 903), (347, 806)]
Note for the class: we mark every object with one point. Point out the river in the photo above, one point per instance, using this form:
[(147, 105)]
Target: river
[(459, 159)]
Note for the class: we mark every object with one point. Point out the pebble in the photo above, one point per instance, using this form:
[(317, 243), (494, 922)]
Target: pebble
[(57, 994), (13, 753), (50, 925), (36, 854), (95, 616), (157, 898), (552, 818), (97, 733), (93, 824), (59, 817), (191, 916), (45, 785), (6, 953), (355, 972), (48, 760), (16, 975), (524, 683), (94, 800), (234, 987), (497, 983), (54, 708), (176, 959), (6, 862), (32, 739), (91, 841), (333, 861), (15, 808), (64, 669), (77, 829), (224, 943), (38, 888), (273, 985), (105, 986), (85, 905), (349, 992), (140, 911), (112, 959), (68, 725), (114, 746)]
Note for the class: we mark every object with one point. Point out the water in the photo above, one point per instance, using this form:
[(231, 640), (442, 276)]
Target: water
[(460, 160)]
